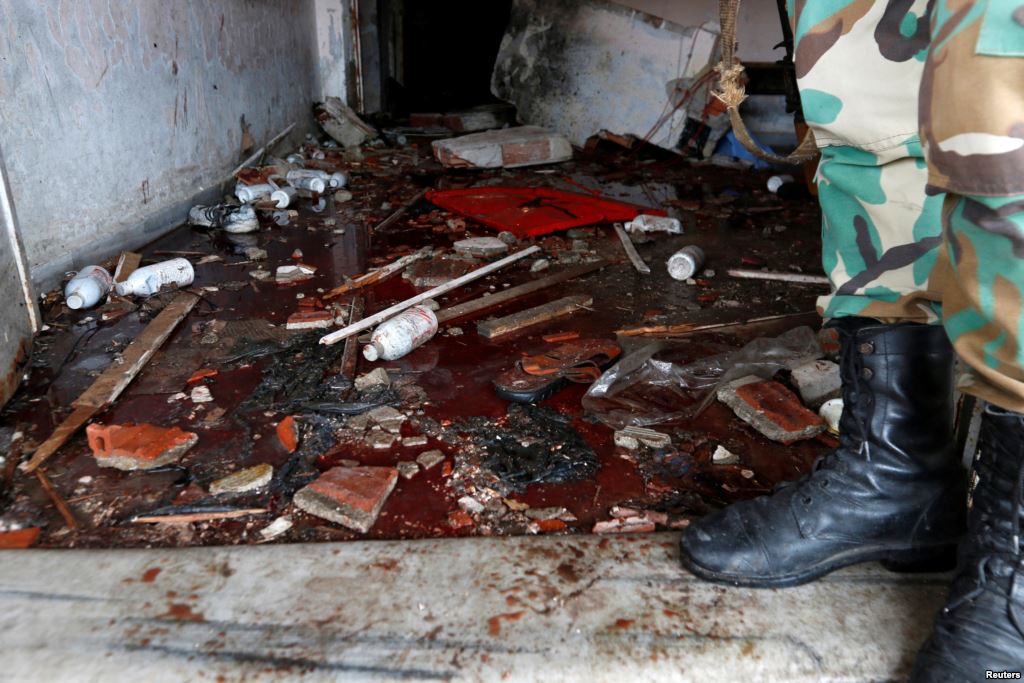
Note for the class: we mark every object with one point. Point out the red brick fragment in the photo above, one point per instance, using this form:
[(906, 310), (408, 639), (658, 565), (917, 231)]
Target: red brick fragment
[(19, 538), (772, 409), (201, 374), (138, 447), (310, 320), (350, 496), (458, 519), (288, 434), (560, 337), (548, 526)]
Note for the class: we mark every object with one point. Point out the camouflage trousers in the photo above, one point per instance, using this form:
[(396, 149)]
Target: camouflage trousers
[(918, 108)]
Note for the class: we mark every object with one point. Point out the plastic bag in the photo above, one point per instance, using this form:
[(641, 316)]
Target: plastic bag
[(643, 389)]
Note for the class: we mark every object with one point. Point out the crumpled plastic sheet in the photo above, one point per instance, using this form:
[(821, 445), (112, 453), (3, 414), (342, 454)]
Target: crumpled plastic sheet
[(643, 389)]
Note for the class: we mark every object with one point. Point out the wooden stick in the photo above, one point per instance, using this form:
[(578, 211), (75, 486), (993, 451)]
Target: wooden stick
[(58, 502), (379, 275), (499, 327), (485, 302), (631, 252), (366, 323), (798, 278), (689, 328), (399, 212), (350, 356), (196, 516), (116, 378)]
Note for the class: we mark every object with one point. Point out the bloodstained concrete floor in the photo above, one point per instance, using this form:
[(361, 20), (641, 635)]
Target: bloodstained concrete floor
[(727, 212)]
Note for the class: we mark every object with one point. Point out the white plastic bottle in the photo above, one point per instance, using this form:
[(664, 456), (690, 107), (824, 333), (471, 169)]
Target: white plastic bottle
[(148, 280), (87, 287), (685, 263), (252, 193), (400, 335), (304, 182)]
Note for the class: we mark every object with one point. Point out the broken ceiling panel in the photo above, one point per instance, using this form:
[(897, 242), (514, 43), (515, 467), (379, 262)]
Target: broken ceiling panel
[(580, 67)]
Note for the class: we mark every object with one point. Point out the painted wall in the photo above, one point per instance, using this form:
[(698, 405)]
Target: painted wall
[(118, 113), (757, 30)]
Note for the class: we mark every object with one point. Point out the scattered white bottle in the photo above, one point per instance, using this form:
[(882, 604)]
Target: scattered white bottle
[(87, 287), (148, 280), (252, 193), (306, 179), (685, 263), (400, 335)]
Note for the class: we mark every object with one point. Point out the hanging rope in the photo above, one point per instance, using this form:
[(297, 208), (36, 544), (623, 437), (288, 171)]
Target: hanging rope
[(732, 93)]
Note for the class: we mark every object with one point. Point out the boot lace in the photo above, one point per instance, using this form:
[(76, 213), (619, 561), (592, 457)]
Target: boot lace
[(992, 537)]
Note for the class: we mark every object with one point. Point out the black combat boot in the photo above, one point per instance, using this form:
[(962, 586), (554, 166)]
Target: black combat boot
[(981, 629), (893, 491)]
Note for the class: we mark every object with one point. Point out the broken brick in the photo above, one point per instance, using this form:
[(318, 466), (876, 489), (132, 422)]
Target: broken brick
[(547, 526), (350, 496), (138, 447), (509, 148), (817, 381), (201, 374), (772, 409), (288, 434), (428, 459), (458, 519), (624, 526), (407, 469)]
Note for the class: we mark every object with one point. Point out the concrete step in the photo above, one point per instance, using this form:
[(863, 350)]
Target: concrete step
[(570, 608)]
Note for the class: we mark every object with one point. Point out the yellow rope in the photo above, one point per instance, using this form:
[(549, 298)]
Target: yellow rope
[(732, 92)]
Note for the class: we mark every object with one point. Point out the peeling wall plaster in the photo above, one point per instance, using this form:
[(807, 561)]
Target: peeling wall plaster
[(117, 112)]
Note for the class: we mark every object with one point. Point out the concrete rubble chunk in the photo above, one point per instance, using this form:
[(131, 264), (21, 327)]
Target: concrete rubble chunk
[(628, 525), (817, 382), (428, 459), (388, 418), (342, 123), (481, 247), (376, 378), (648, 437), (297, 272), (771, 408), (350, 496), (414, 441), (255, 253), (507, 148), (201, 394), (407, 469), (471, 505), (558, 513), (380, 440), (723, 456), (623, 440), (279, 526), (249, 479), (138, 446)]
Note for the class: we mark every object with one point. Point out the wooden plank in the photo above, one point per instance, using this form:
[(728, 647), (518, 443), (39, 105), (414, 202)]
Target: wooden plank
[(631, 252), (484, 303), (490, 329), (109, 385), (350, 356), (116, 378), (376, 318)]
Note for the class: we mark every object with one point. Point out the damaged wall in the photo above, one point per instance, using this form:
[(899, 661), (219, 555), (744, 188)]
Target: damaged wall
[(579, 66), (116, 113), (757, 28)]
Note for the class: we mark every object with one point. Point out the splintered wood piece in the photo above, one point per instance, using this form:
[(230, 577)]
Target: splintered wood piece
[(116, 378), (379, 275), (484, 303), (350, 356), (400, 211), (490, 329), (798, 278), (127, 264), (630, 249)]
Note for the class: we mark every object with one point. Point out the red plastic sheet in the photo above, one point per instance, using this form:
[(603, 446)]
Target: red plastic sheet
[(533, 211)]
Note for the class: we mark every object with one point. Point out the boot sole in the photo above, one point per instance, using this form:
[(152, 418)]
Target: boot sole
[(937, 558)]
